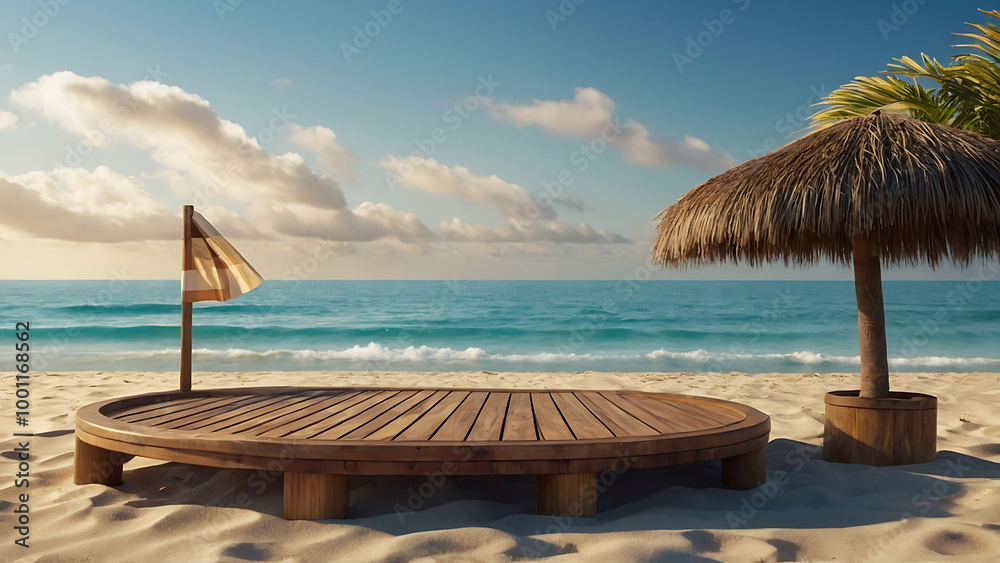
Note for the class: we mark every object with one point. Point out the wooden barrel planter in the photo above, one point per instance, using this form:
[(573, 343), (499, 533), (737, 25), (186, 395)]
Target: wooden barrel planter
[(898, 430)]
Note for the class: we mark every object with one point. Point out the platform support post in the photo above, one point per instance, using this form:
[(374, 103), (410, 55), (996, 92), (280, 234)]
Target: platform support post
[(567, 494), (96, 466), (745, 471), (313, 496), (187, 309)]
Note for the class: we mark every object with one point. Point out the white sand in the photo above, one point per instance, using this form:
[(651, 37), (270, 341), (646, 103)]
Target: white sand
[(946, 510)]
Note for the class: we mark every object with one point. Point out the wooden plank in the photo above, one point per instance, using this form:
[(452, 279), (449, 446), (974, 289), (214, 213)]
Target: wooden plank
[(221, 411), (344, 412), (457, 427), (489, 423), (549, 421), (684, 420), (388, 416), (620, 422), (661, 426), (582, 422), (224, 417), (255, 415), (306, 421), (290, 414), (142, 408), (721, 414), (169, 408), (428, 424), (520, 421), (403, 421), (363, 418), (195, 410)]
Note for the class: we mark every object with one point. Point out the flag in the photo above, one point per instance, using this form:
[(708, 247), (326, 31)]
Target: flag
[(215, 271)]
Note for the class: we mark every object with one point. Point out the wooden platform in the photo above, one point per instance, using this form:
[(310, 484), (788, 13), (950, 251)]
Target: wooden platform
[(318, 436)]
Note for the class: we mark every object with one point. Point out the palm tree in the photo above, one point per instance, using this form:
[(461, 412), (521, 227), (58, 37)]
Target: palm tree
[(966, 93)]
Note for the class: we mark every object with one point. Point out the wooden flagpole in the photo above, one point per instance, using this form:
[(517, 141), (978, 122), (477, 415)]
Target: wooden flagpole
[(186, 308)]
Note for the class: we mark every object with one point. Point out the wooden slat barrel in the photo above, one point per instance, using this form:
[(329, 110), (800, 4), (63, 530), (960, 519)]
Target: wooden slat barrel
[(898, 430)]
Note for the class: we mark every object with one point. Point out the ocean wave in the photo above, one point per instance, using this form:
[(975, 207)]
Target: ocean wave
[(375, 352)]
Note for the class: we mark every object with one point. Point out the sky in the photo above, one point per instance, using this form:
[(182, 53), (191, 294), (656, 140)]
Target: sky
[(408, 139)]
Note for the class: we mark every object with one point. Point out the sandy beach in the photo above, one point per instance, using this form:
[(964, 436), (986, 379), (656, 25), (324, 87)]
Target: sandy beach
[(810, 510)]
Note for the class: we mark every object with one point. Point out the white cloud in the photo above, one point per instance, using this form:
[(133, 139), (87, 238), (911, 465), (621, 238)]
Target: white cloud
[(79, 205), (428, 175), (517, 230), (323, 142), (7, 120), (182, 132), (591, 115), (282, 83), (366, 222)]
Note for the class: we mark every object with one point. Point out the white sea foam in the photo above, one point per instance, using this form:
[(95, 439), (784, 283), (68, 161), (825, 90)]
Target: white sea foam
[(377, 353)]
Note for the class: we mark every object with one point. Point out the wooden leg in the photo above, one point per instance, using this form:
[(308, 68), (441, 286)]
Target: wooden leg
[(567, 494), (96, 466), (311, 496), (745, 471)]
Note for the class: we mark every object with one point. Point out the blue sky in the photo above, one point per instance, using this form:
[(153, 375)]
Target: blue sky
[(767, 62)]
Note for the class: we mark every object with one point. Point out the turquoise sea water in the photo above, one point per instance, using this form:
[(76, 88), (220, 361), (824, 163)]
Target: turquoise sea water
[(505, 325)]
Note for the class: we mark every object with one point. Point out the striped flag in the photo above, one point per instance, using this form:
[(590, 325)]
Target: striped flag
[(215, 271)]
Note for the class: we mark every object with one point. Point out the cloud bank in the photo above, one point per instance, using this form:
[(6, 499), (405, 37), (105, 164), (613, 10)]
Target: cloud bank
[(590, 115)]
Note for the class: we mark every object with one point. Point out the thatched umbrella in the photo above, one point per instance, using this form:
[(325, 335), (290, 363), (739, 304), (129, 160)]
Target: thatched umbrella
[(879, 189)]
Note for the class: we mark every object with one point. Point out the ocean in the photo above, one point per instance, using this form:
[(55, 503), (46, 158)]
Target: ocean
[(766, 326)]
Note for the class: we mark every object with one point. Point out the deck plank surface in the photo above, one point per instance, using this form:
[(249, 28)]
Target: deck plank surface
[(582, 422), (405, 420), (429, 423), (551, 425), (458, 425), (520, 421), (366, 401), (433, 415), (489, 423), (620, 422), (383, 431), (290, 413)]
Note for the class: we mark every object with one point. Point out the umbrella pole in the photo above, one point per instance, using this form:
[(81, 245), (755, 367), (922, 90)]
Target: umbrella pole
[(186, 308), (871, 318)]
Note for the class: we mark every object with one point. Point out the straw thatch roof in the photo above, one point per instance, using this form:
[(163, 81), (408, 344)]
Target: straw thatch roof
[(924, 192)]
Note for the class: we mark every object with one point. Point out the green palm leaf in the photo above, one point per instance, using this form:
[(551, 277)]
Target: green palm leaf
[(966, 93)]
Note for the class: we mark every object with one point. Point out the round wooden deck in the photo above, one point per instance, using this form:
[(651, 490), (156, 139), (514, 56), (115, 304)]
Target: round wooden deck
[(318, 436)]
